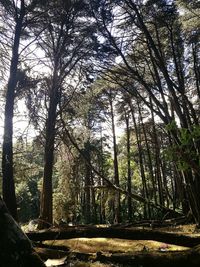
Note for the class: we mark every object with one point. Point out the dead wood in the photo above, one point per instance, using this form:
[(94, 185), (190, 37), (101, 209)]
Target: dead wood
[(51, 246), (133, 233), (190, 257), (156, 259), (47, 253)]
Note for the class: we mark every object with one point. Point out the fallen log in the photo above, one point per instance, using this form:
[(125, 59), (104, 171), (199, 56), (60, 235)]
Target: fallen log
[(51, 246), (190, 257), (47, 253), (112, 232), (156, 259)]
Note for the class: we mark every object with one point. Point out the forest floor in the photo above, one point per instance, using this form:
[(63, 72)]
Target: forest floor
[(114, 245), (108, 246), (88, 250)]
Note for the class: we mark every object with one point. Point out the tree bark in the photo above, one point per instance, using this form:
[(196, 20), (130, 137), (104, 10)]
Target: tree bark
[(116, 169), (46, 209), (15, 247), (157, 160), (141, 161), (7, 152), (129, 182), (87, 190)]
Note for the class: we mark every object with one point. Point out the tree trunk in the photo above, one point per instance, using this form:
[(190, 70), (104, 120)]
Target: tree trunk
[(15, 248), (129, 182), (87, 190), (7, 152), (93, 201), (157, 159), (116, 170), (196, 68), (46, 209), (102, 213), (141, 160)]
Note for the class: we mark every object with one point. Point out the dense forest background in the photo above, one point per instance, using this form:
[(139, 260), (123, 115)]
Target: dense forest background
[(112, 89)]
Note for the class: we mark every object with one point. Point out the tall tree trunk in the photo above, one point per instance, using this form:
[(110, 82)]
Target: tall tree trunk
[(129, 184), (157, 159), (141, 159), (102, 213), (7, 153), (46, 209), (93, 201), (116, 170), (87, 185), (196, 68), (149, 160)]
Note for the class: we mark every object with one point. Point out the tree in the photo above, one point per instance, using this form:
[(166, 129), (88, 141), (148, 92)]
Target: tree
[(7, 154), (111, 96), (157, 73), (66, 42), (19, 15)]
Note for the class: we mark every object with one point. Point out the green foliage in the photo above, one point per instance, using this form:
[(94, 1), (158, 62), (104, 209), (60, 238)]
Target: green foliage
[(28, 200), (184, 153), (28, 173), (24, 201), (65, 188), (189, 15), (171, 126)]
